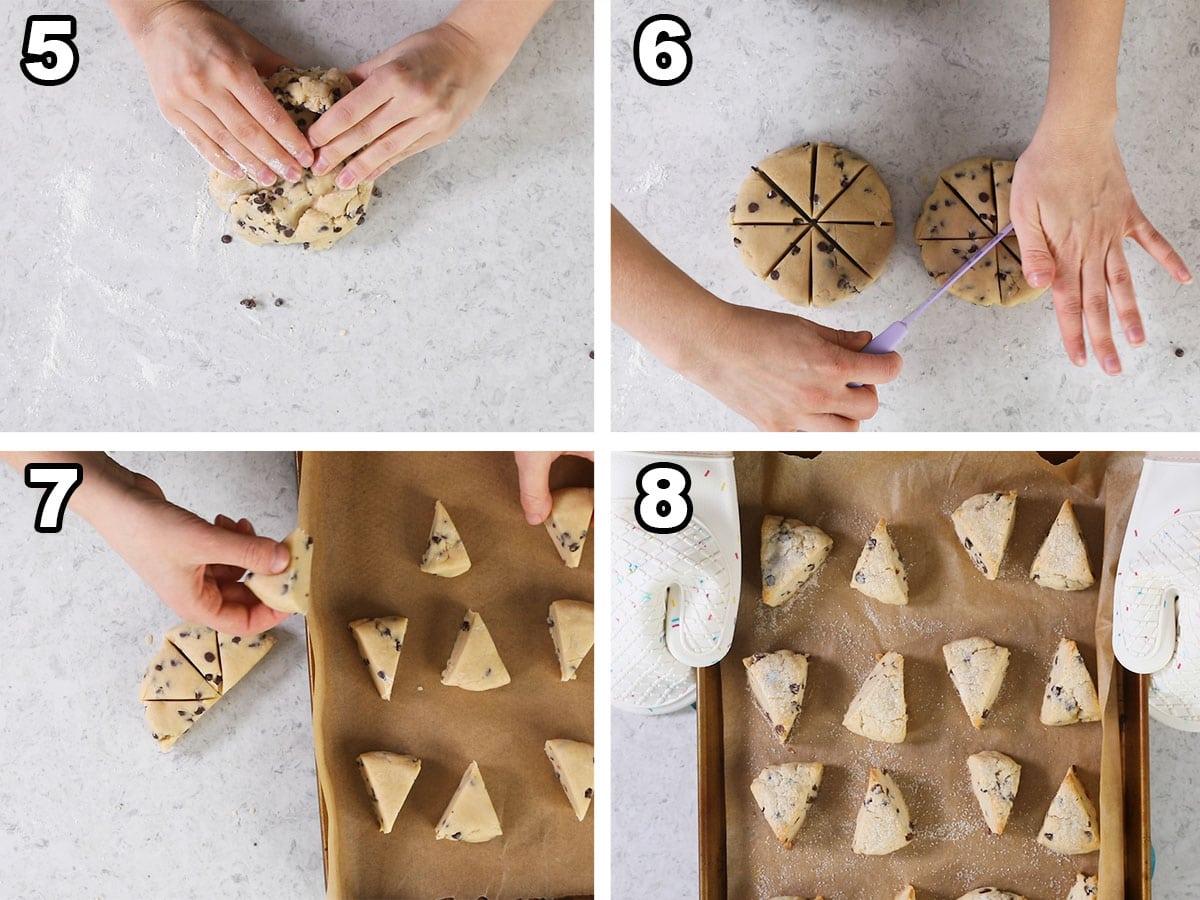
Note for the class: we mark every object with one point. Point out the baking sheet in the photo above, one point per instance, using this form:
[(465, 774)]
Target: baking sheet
[(369, 514), (842, 631)]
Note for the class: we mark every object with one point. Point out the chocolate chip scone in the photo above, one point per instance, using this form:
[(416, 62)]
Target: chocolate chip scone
[(313, 211)]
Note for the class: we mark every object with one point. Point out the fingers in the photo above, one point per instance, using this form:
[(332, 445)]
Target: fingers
[(206, 147), (245, 551), (1160, 248), (1037, 262), (353, 139), (430, 140), (1095, 315), (283, 133), (823, 423), (251, 133), (866, 368), (250, 166), (240, 612), (533, 476), (1120, 285), (1068, 308), (355, 107)]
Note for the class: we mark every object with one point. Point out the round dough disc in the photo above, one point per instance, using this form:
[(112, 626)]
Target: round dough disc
[(814, 222), (313, 211)]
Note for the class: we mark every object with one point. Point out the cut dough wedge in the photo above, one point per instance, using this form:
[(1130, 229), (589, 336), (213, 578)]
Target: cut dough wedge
[(784, 793), (469, 816), (878, 710), (379, 644), (241, 654), (792, 552), (879, 572), (446, 555), (995, 779), (1071, 825), (789, 172), (169, 719), (289, 590), (568, 522), (837, 170), (759, 202), (572, 628), (389, 777), (574, 765), (1084, 888), (977, 667), (1062, 561), (884, 824), (475, 664), (777, 681), (1070, 693), (171, 677), (979, 284), (199, 644), (984, 523)]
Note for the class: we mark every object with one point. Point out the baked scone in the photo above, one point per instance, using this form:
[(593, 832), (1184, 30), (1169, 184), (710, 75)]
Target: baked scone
[(574, 765), (1084, 888), (883, 825), (784, 793), (991, 893), (1062, 560), (388, 777), (791, 553), (568, 523), (908, 892), (878, 710), (814, 222), (879, 572), (977, 667), (995, 779), (1071, 825), (445, 556), (379, 644), (1070, 694), (572, 628), (967, 207), (475, 663), (984, 523), (289, 590), (777, 681), (469, 816)]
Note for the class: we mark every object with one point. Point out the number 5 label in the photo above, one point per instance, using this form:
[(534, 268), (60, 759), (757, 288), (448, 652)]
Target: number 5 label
[(663, 505), (60, 479), (660, 50), (48, 55)]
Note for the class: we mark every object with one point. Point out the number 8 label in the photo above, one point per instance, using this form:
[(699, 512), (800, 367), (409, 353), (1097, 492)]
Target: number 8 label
[(663, 505)]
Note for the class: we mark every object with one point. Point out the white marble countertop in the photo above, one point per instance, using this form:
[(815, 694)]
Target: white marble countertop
[(464, 303), (88, 805), (913, 87), (655, 841)]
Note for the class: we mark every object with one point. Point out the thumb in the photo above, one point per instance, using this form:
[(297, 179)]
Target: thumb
[(533, 475), (849, 340), (255, 554), (1037, 263), (267, 62)]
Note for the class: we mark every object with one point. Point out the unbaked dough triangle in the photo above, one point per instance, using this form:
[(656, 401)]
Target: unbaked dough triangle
[(879, 572), (763, 247), (760, 202), (568, 522), (866, 200), (574, 764), (572, 628), (946, 217), (978, 284), (1061, 562), (867, 245), (791, 553), (379, 644), (833, 272), (241, 654), (289, 590), (1002, 179), (470, 816), (445, 556), (884, 824), (199, 644), (171, 677), (837, 169), (1071, 825), (971, 180), (169, 719), (784, 794), (1070, 694), (995, 779), (388, 777), (777, 681), (878, 710), (792, 274), (790, 172), (977, 667), (984, 523), (475, 664)]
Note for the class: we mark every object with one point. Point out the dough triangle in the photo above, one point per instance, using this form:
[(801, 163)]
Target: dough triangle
[(995, 779), (971, 179), (199, 644), (979, 284), (470, 816), (389, 777), (984, 523), (759, 202), (171, 677), (884, 824), (573, 762), (1084, 888), (792, 275), (879, 572), (777, 681), (1070, 694), (791, 553), (1071, 825), (837, 170), (568, 522), (572, 628), (833, 272), (867, 200), (1062, 560), (867, 245), (977, 667), (764, 247), (241, 654), (784, 793), (790, 172), (289, 590), (379, 644), (445, 555), (169, 719), (946, 217), (878, 710), (475, 664)]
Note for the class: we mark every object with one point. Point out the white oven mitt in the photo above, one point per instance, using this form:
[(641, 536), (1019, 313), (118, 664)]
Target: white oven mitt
[(1156, 596), (675, 596)]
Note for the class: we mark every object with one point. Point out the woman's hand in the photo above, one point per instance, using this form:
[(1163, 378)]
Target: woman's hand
[(533, 475)]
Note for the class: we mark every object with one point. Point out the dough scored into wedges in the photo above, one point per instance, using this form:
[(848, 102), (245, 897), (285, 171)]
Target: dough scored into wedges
[(389, 777), (1071, 826), (777, 681), (241, 654), (199, 644), (574, 767), (572, 629), (568, 522), (995, 779), (1070, 693), (475, 663), (289, 590), (878, 710), (784, 793), (1062, 561), (792, 552), (884, 824), (879, 572), (469, 816), (171, 677), (446, 555), (984, 523), (977, 667), (379, 644)]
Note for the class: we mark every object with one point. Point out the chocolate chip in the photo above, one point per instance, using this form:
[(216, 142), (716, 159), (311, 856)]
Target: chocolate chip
[(210, 656), (226, 238), (753, 207), (382, 675), (1178, 352), (794, 688), (871, 543), (860, 577), (588, 793), (465, 626), (737, 242), (983, 197), (249, 303), (771, 195), (824, 247), (279, 301), (457, 836), (591, 354), (769, 580), (775, 275)]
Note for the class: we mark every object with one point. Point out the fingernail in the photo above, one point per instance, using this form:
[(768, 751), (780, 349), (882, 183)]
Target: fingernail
[(305, 158), (1038, 279), (293, 174), (321, 166), (266, 178), (1135, 335), (345, 179), (1079, 360), (1112, 365), (1184, 276), (282, 558), (533, 518)]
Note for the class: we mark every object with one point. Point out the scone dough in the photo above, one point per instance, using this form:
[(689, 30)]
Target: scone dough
[(388, 777), (313, 211)]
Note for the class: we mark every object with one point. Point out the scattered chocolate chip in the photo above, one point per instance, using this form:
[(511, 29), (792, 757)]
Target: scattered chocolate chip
[(226, 238), (249, 303), (279, 301), (591, 354), (1178, 352)]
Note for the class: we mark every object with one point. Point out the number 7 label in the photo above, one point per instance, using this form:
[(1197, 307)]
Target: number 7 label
[(60, 479)]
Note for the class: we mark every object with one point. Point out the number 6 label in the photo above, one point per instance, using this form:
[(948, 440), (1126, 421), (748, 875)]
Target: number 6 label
[(663, 505), (48, 56), (660, 50), (61, 479)]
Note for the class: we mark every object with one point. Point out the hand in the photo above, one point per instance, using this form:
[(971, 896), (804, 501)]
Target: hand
[(204, 71), (785, 373), (193, 566), (411, 97), (533, 474), (1071, 208)]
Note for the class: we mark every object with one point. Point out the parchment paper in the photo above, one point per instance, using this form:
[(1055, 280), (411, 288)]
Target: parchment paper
[(843, 630), (369, 514)]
